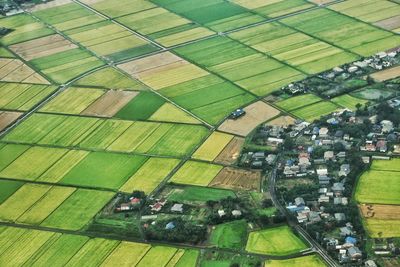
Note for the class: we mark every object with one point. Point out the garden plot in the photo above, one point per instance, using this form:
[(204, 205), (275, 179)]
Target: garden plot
[(297, 49), (218, 15), (234, 61), (274, 8), (196, 173), (111, 41), (150, 175), (256, 114), (335, 28), (14, 70), (42, 47), (387, 74), (231, 152), (162, 70), (213, 146), (163, 26), (68, 16), (238, 179), (24, 28), (110, 78), (384, 14), (109, 103), (7, 118), (275, 241)]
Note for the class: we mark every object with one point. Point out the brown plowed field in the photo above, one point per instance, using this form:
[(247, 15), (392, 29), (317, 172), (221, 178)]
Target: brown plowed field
[(239, 179), (8, 117), (386, 212), (231, 152)]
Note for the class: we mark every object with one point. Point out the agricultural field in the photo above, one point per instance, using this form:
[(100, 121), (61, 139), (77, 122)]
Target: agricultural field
[(161, 25), (231, 152), (274, 241), (235, 64), (381, 228), (315, 111), (273, 9), (283, 121), (297, 49), (203, 94), (387, 74), (196, 173), (110, 41), (213, 146), (371, 94), (297, 102), (25, 28), (217, 15), (7, 118), (237, 179), (112, 135), (230, 235), (384, 14), (14, 70), (348, 101), (333, 27), (256, 114), (189, 194), (309, 261), (378, 187)]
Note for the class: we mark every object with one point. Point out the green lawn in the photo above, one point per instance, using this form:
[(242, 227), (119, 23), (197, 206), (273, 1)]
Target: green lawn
[(275, 241), (230, 235)]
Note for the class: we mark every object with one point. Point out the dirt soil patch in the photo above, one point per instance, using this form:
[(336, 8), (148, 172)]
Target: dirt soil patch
[(109, 103), (231, 152), (8, 117), (387, 74), (239, 179), (390, 23), (256, 114), (386, 212), (42, 47)]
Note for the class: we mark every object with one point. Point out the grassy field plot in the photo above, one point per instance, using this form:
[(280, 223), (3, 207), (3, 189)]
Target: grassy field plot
[(9, 152), (117, 8), (68, 16), (381, 228), (256, 114), (309, 261), (235, 64), (105, 170), (6, 53), (22, 97), (111, 41), (189, 258), (237, 179), (188, 194), (218, 15), (32, 163), (171, 113), (274, 241), (230, 235), (348, 101), (213, 146), (296, 102), (141, 107), (371, 93), (196, 173), (73, 100), (25, 28), (14, 70), (127, 254), (378, 187), (110, 78), (78, 209), (150, 175), (163, 26), (295, 48), (386, 165), (274, 9), (335, 28), (315, 111), (384, 14), (7, 188), (157, 256)]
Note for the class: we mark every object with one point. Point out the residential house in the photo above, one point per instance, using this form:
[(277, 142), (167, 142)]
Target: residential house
[(323, 132), (354, 253), (344, 169), (340, 217), (387, 126), (177, 208), (381, 146), (329, 155)]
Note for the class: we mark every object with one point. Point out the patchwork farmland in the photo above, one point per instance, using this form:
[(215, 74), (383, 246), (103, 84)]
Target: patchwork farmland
[(117, 140)]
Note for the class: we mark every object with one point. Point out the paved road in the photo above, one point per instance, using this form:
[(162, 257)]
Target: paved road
[(315, 246)]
